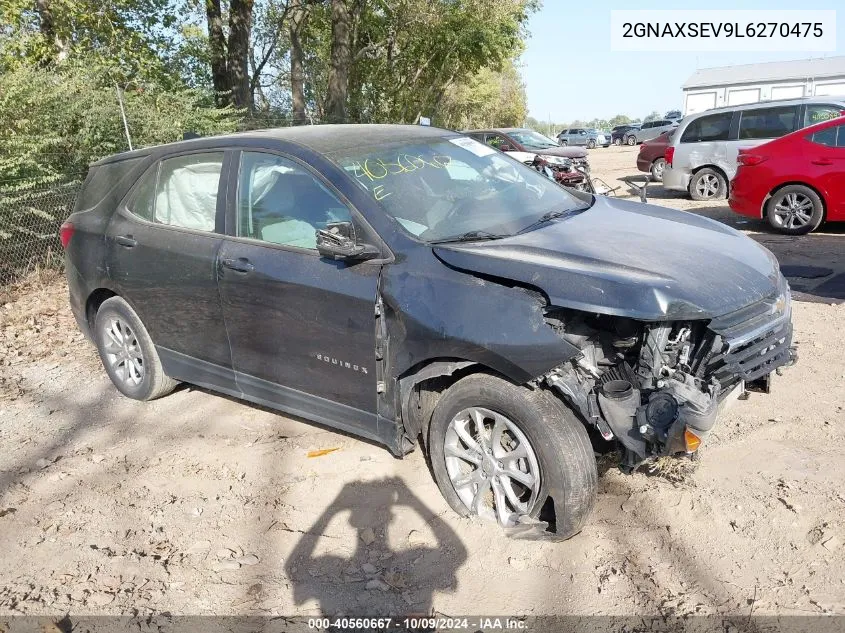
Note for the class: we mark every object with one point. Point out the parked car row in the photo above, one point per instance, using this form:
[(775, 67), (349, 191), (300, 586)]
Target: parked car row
[(587, 137)]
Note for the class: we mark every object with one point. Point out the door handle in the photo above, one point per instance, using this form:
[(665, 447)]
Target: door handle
[(126, 240), (822, 161), (241, 264)]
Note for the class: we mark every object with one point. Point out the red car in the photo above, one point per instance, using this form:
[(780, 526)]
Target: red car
[(650, 159), (796, 181)]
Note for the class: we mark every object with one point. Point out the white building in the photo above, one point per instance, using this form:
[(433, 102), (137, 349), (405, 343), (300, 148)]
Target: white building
[(749, 83)]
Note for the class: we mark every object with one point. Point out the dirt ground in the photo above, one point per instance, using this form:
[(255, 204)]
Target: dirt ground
[(200, 504)]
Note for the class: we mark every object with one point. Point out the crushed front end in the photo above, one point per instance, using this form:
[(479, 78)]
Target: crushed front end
[(658, 387)]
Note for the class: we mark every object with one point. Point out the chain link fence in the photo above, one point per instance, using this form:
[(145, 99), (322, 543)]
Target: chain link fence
[(31, 212)]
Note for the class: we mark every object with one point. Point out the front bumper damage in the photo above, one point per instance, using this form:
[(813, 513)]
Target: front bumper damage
[(656, 410)]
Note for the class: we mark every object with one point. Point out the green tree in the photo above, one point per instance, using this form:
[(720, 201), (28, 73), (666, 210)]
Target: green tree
[(489, 98)]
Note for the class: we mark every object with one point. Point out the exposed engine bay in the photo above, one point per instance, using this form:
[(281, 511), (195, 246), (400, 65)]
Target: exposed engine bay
[(657, 387)]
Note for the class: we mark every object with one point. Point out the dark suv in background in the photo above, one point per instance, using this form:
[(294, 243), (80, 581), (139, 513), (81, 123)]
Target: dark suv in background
[(406, 283), (619, 134)]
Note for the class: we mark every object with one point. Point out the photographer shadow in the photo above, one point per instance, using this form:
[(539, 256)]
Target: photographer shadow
[(373, 578)]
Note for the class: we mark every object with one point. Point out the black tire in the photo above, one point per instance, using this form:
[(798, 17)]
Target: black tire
[(153, 382), (564, 143), (567, 465), (657, 167), (591, 144), (631, 140), (708, 184), (618, 141)]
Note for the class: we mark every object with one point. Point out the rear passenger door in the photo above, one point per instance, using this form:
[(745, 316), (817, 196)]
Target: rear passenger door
[(161, 250), (302, 328), (826, 169), (704, 143), (757, 126)]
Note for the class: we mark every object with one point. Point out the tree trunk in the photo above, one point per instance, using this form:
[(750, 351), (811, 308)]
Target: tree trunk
[(240, 22), (217, 49), (298, 17), (48, 29), (341, 59)]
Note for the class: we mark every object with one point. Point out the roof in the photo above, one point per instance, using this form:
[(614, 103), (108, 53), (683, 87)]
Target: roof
[(770, 71), (320, 138)]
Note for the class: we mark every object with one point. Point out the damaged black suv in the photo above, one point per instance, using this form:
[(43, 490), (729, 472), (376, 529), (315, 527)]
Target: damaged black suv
[(409, 283)]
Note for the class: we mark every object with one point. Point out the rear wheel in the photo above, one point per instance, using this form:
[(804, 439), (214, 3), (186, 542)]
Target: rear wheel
[(128, 353), (795, 210), (632, 140), (708, 184), (564, 143), (500, 451), (657, 168)]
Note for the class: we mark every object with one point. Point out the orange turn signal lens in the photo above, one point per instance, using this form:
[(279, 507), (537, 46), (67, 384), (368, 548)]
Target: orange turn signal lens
[(692, 441)]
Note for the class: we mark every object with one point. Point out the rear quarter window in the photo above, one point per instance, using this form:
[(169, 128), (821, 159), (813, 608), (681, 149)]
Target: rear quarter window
[(714, 127), (101, 180)]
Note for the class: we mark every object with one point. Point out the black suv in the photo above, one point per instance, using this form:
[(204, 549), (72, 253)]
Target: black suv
[(619, 134), (408, 282)]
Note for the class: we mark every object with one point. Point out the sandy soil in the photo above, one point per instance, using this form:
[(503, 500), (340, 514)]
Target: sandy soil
[(199, 504)]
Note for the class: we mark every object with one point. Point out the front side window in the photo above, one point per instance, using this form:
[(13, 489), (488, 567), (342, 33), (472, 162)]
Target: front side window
[(454, 188), (714, 127), (180, 191), (818, 113), (768, 122), (280, 202)]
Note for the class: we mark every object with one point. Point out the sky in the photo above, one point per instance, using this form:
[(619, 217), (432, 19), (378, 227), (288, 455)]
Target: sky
[(570, 72)]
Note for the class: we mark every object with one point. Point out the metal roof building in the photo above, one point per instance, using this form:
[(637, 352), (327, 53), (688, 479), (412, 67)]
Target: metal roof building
[(748, 83)]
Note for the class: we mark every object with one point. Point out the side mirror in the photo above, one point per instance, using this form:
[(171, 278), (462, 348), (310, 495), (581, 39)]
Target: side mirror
[(336, 242)]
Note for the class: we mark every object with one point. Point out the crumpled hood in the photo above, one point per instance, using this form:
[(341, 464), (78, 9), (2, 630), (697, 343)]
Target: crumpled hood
[(629, 259), (568, 152)]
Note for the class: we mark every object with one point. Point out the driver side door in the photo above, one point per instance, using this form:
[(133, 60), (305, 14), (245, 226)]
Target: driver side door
[(301, 327)]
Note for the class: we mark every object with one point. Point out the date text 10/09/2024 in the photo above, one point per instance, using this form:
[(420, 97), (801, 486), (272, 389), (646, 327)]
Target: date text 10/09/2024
[(418, 623)]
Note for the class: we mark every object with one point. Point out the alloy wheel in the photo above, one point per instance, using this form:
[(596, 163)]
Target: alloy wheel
[(123, 352), (793, 211), (707, 186), (492, 465)]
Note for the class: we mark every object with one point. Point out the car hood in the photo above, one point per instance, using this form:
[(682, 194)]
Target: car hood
[(568, 152), (629, 259)]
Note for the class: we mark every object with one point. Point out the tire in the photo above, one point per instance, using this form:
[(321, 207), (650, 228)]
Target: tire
[(557, 445), (795, 210), (657, 167), (708, 184), (631, 140), (618, 141), (564, 143), (134, 367), (591, 144)]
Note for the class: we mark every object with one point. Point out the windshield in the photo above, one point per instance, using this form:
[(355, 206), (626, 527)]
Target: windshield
[(531, 139), (447, 188)]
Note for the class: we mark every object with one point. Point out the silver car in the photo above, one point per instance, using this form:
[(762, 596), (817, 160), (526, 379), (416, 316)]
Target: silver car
[(587, 137), (649, 130), (702, 156)]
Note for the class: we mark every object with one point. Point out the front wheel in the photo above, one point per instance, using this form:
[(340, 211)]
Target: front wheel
[(591, 144), (501, 451), (128, 353), (795, 210), (632, 140), (617, 141), (708, 184)]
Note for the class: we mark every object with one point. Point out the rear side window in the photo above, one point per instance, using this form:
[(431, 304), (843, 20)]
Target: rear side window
[(831, 137), (101, 180), (818, 112), (180, 191), (714, 127), (768, 122)]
